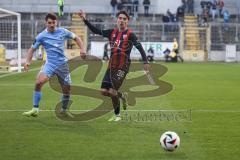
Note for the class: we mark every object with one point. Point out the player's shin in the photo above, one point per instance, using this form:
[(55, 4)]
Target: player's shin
[(65, 101), (116, 105), (37, 95)]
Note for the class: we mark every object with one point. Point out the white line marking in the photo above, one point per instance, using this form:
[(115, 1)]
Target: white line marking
[(13, 73), (192, 110), (14, 85)]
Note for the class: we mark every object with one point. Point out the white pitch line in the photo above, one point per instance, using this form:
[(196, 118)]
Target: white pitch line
[(218, 110), (15, 85), (82, 110), (197, 110), (13, 73)]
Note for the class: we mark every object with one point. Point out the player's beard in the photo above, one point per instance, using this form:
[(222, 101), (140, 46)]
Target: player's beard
[(51, 29)]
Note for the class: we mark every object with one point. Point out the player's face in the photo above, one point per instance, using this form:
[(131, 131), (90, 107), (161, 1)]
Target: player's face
[(122, 22), (51, 25)]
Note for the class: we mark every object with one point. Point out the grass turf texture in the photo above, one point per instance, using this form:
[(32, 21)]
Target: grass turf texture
[(210, 90)]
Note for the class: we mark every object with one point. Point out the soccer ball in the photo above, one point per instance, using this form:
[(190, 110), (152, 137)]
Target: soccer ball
[(170, 141)]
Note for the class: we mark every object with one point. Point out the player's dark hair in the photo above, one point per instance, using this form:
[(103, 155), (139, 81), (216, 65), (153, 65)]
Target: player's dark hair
[(51, 16), (125, 13)]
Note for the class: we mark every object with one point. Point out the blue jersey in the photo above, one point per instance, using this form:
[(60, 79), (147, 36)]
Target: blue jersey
[(53, 43)]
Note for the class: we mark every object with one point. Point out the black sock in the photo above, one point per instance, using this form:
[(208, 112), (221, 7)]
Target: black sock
[(65, 101), (116, 105)]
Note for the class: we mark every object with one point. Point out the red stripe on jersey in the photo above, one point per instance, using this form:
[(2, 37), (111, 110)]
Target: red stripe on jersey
[(115, 50), (124, 49), (111, 41), (113, 34)]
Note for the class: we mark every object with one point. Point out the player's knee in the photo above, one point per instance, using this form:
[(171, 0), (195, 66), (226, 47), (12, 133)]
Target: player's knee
[(66, 89), (39, 82), (112, 93), (38, 85), (104, 92)]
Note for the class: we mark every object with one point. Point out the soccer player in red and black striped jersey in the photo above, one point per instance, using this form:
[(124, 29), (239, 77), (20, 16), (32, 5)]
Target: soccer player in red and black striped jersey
[(121, 40)]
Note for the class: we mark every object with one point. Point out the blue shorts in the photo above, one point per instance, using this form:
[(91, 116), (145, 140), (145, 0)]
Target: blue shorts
[(61, 71)]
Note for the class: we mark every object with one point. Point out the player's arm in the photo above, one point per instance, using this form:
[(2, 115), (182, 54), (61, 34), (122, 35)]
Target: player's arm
[(138, 45), (78, 40), (80, 44), (105, 33), (29, 58), (31, 50)]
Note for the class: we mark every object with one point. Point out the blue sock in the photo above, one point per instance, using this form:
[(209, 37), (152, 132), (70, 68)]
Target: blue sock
[(36, 98), (65, 101)]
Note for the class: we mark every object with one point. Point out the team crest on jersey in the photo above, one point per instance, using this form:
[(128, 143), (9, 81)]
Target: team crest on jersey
[(117, 43), (61, 37)]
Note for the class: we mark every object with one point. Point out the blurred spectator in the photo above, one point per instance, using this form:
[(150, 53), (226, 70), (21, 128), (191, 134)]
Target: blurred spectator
[(190, 6), (60, 7), (146, 4), (175, 49), (205, 15), (171, 16), (214, 8), (135, 10), (150, 55), (169, 56), (226, 16), (129, 6), (166, 53), (114, 4), (220, 7), (180, 12), (184, 5), (121, 5), (165, 19)]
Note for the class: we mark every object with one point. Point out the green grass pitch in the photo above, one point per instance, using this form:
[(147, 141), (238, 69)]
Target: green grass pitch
[(210, 90)]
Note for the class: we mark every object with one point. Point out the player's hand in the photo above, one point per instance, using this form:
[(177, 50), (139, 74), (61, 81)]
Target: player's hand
[(26, 67), (82, 15), (146, 67), (83, 54)]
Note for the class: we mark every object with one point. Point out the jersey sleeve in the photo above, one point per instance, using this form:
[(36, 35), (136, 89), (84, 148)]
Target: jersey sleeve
[(103, 32), (69, 34), (138, 45), (37, 42)]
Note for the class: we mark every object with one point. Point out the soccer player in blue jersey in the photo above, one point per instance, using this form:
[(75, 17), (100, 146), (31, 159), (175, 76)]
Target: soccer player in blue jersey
[(52, 39)]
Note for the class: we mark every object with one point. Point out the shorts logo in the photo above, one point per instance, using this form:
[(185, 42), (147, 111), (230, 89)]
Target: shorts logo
[(120, 74), (67, 79)]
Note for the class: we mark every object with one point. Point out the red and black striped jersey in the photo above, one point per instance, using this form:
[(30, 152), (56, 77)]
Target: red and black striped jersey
[(121, 45)]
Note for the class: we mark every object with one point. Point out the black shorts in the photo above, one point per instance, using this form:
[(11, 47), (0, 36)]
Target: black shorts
[(176, 51), (114, 78)]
